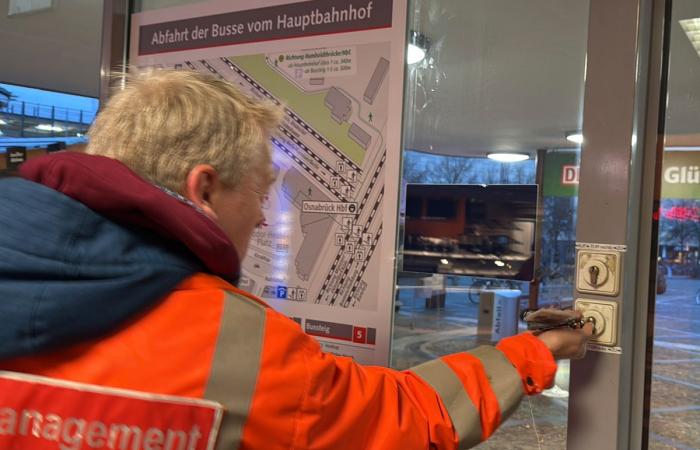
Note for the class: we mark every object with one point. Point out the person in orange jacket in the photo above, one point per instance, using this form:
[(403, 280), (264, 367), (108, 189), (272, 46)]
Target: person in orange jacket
[(118, 269)]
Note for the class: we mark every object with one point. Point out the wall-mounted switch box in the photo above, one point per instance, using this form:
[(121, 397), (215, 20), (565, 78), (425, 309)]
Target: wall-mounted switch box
[(598, 272), (604, 314)]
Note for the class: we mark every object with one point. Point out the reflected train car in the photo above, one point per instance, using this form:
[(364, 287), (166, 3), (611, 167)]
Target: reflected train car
[(474, 230)]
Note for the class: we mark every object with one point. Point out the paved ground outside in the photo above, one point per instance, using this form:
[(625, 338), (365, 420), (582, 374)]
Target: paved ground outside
[(675, 389), (422, 333)]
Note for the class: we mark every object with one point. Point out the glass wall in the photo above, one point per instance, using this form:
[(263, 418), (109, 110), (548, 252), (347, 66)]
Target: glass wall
[(49, 75), (34, 121), (37, 113), (675, 382), (497, 76), (56, 48)]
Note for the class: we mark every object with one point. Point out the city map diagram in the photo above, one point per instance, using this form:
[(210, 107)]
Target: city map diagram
[(324, 212)]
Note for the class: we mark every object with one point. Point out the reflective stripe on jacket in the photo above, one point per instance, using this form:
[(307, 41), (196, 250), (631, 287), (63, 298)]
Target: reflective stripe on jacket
[(208, 339)]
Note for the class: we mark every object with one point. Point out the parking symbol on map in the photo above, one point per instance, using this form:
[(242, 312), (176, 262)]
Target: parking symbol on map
[(335, 182), (350, 248), (339, 239), (341, 166), (281, 291), (359, 255)]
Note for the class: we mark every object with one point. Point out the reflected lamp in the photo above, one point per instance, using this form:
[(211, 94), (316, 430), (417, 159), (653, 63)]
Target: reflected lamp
[(418, 45)]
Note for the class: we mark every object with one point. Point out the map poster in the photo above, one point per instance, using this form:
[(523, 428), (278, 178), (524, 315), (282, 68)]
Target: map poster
[(326, 258)]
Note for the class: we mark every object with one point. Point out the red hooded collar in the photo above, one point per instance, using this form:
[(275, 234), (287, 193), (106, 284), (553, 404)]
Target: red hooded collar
[(111, 189)]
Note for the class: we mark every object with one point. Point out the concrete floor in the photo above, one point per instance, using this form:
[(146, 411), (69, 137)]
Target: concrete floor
[(421, 334)]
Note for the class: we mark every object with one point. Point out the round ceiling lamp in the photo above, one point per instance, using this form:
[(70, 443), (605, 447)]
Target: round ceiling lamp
[(508, 157), (574, 136), (418, 45)]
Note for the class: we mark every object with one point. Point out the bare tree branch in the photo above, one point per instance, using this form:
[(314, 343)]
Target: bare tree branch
[(413, 170), (452, 170)]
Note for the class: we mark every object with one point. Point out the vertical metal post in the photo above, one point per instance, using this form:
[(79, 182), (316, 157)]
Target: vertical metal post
[(534, 291), (653, 144), (115, 37), (21, 122), (619, 96)]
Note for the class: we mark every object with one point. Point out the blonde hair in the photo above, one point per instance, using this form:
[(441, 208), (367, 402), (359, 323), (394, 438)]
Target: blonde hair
[(165, 122)]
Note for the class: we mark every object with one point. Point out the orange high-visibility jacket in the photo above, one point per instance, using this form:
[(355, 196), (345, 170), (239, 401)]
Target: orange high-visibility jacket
[(208, 339)]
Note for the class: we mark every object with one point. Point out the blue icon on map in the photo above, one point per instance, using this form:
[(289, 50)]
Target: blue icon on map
[(281, 291)]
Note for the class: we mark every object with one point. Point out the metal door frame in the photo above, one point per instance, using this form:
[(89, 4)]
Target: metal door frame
[(116, 18), (624, 109)]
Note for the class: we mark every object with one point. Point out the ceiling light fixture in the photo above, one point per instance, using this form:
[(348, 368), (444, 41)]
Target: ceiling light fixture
[(499, 263), (574, 136), (508, 157), (47, 127), (444, 261), (2, 122), (692, 30), (418, 45)]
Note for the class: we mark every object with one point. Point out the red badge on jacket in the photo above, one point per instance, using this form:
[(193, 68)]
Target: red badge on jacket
[(42, 413)]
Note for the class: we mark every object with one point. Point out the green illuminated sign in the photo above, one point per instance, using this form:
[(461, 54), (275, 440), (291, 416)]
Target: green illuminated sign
[(561, 174), (680, 176)]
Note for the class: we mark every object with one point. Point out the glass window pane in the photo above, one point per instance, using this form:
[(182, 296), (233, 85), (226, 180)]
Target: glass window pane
[(35, 118), (675, 384), (491, 80), (57, 48)]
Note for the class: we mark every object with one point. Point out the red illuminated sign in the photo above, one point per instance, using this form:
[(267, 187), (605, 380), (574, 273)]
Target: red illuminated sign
[(569, 174), (681, 213)]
